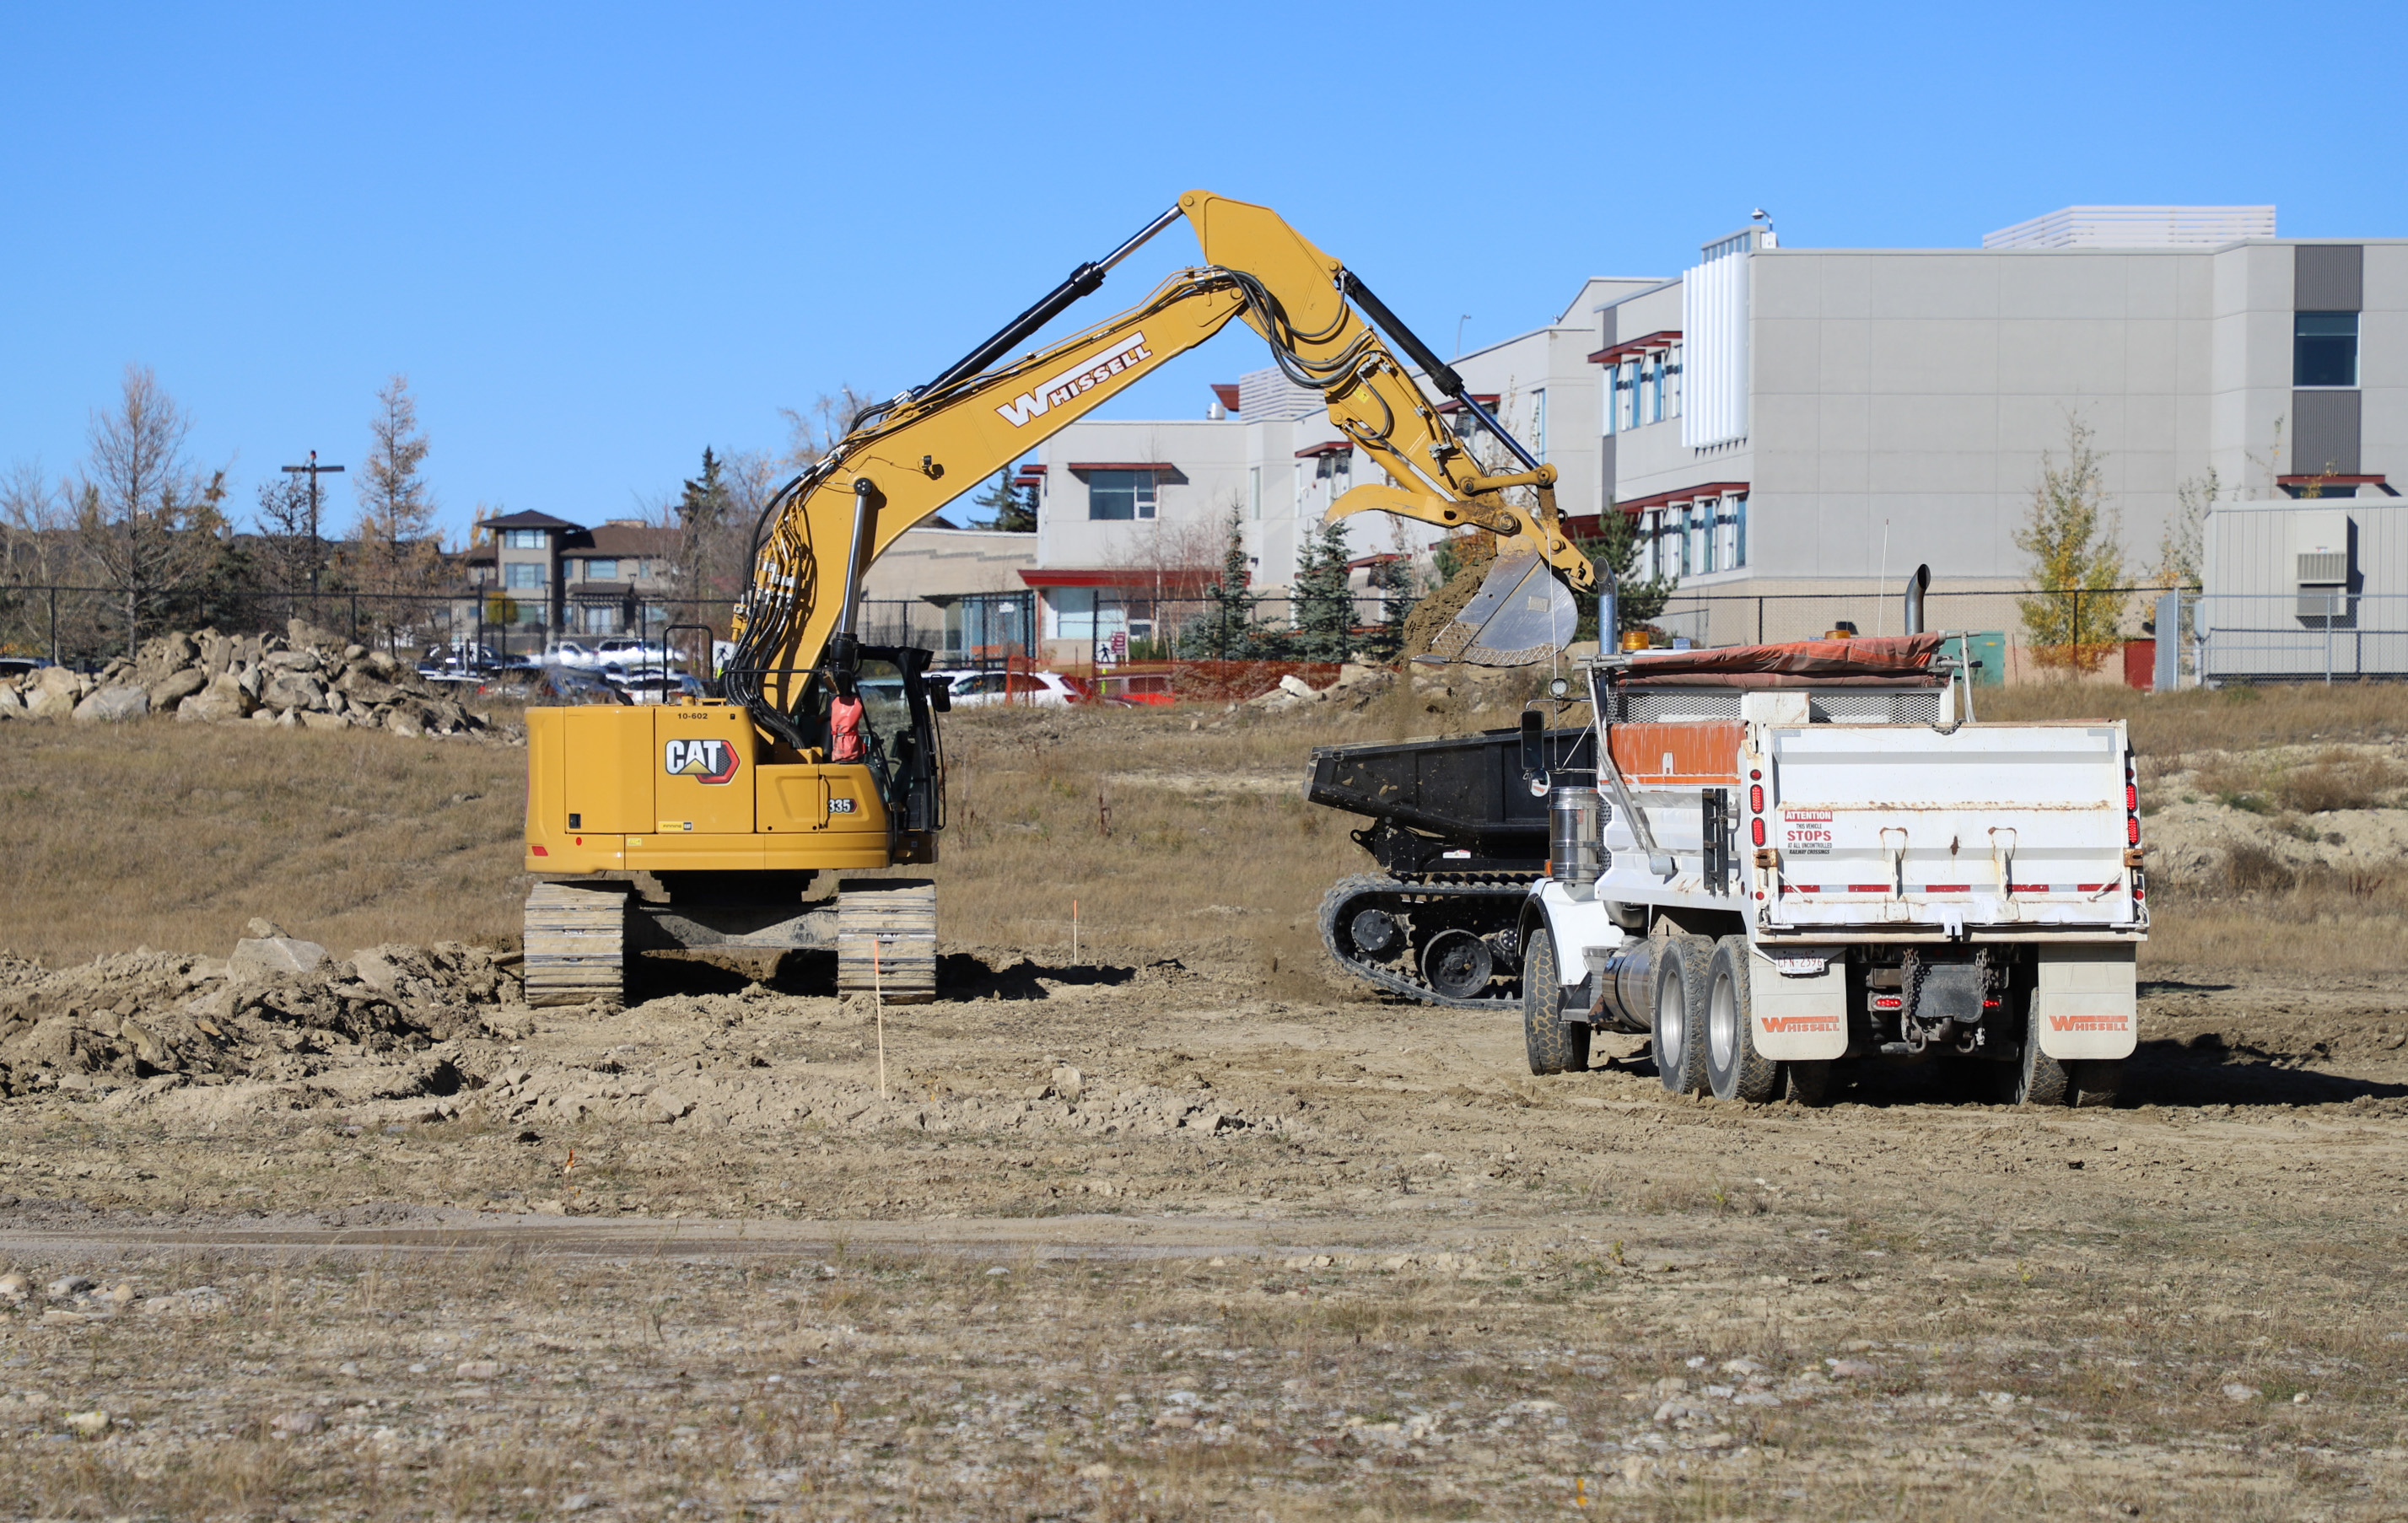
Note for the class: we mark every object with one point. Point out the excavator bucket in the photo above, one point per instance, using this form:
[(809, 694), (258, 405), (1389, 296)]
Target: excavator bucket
[(1522, 614)]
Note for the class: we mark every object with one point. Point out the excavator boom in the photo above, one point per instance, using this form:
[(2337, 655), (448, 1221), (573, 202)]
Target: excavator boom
[(902, 462)]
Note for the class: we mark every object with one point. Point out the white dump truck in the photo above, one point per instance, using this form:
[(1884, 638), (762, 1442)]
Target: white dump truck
[(1776, 858)]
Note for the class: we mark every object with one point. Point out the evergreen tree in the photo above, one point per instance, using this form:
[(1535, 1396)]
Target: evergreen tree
[(1614, 552), (1228, 629), (703, 510), (1392, 580), (1325, 603), (1008, 506)]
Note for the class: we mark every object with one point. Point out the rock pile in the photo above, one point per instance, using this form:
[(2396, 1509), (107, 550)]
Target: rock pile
[(278, 1009), (306, 677)]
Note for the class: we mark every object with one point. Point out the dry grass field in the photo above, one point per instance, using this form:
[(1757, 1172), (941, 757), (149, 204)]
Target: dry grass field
[(1180, 1228)]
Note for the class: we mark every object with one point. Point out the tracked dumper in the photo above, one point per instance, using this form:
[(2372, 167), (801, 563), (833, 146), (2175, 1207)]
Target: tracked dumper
[(1459, 838)]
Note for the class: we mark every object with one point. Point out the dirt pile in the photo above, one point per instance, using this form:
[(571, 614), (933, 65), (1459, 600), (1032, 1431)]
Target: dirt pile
[(136, 1026), (305, 676)]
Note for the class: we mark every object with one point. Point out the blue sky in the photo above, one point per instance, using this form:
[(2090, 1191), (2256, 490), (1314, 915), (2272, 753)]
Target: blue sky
[(598, 239)]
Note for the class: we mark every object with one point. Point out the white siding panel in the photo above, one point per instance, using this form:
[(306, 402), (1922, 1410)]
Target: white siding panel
[(1714, 328)]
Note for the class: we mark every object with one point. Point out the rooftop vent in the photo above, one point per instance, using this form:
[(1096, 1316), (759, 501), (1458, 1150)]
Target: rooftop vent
[(2136, 227)]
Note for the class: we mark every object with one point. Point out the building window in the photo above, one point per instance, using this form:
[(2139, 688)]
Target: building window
[(601, 619), (525, 539), (520, 575), (1119, 496), (1254, 491), (1626, 396), (601, 571), (1738, 520), (1702, 526), (2323, 349), (1672, 383)]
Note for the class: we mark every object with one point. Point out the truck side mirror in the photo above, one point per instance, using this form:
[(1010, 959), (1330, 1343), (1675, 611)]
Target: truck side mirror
[(1533, 761), (941, 697)]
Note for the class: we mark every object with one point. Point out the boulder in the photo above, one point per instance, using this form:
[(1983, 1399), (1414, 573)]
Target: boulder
[(313, 719), (164, 654), (258, 959), (112, 705), (222, 699), (51, 704), (10, 705), (176, 687), (293, 690), (59, 679), (360, 685), (405, 722), (302, 634)]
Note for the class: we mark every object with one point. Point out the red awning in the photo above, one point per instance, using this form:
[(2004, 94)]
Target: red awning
[(1328, 447), (1903, 659), (1136, 580), (1685, 494), (1227, 393), (1661, 339), (2375, 480), (1487, 399)]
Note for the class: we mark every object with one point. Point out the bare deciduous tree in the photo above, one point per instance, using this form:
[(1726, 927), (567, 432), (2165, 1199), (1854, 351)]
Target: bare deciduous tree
[(395, 553), (146, 523)]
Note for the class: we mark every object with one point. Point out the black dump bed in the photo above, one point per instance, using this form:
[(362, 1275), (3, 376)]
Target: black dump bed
[(1462, 794)]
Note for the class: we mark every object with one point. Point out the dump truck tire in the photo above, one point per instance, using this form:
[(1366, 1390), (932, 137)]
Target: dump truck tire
[(1734, 1069), (1811, 1083), (2037, 1078), (1681, 971), (1553, 1045), (2094, 1082)]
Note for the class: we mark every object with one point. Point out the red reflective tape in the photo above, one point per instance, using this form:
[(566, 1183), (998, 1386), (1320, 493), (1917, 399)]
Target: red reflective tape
[(1805, 888), (1866, 888), (538, 851), (1947, 888), (2091, 888), (2026, 887)]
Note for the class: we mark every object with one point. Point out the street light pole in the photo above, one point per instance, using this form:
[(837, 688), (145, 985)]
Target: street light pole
[(313, 471)]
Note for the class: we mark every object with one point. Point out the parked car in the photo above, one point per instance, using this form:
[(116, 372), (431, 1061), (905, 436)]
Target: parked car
[(654, 687), (1151, 689), (13, 667), (567, 685), (1033, 690)]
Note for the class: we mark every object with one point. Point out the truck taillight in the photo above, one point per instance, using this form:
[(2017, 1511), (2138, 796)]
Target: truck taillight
[(1888, 1002), (1756, 829), (1756, 799), (2132, 830)]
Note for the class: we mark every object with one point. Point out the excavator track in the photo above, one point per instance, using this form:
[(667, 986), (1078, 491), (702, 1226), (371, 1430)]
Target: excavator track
[(898, 919), (576, 943), (1485, 906)]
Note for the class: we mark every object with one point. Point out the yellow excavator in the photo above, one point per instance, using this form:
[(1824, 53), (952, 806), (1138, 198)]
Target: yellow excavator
[(825, 754)]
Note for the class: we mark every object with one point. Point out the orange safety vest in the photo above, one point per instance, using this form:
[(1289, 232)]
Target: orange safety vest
[(844, 729)]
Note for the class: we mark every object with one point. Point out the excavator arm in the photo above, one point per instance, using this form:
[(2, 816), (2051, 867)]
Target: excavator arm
[(903, 460)]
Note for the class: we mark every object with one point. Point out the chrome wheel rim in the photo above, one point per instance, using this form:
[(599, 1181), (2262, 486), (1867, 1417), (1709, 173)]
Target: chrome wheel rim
[(1722, 1024)]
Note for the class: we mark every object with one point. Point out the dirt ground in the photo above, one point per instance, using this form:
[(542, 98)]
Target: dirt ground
[(1177, 1229)]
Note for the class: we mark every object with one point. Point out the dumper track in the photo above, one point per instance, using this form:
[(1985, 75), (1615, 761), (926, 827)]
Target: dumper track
[(1458, 894)]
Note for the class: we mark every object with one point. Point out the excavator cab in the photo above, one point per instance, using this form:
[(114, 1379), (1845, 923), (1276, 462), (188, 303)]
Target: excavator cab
[(904, 747)]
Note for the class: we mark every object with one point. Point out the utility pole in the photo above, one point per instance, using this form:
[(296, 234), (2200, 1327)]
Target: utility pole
[(313, 471)]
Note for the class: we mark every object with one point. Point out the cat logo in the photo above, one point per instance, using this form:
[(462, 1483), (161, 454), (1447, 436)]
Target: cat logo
[(704, 761)]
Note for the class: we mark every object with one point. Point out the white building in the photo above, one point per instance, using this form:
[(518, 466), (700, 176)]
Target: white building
[(1794, 428)]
